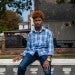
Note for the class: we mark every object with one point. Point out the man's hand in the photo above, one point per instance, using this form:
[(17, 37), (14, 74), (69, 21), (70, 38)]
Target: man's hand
[(17, 58), (46, 65)]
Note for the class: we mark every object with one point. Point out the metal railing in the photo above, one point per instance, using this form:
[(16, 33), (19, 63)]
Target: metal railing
[(64, 43)]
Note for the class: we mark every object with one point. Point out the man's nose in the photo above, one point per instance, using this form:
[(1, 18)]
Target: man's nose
[(37, 21)]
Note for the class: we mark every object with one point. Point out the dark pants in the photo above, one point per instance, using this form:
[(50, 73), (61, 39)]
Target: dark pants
[(28, 59)]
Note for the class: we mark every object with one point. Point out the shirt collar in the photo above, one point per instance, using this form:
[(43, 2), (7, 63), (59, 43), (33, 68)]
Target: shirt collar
[(40, 30)]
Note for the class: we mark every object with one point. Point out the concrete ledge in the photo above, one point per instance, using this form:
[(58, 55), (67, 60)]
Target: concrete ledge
[(54, 62)]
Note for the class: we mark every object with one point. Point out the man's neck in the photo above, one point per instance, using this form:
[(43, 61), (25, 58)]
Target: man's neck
[(38, 29)]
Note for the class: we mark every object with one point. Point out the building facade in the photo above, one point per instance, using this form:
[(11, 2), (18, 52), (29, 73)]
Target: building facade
[(60, 18)]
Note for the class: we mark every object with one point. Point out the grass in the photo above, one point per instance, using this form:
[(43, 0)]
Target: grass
[(7, 56), (64, 56), (55, 56)]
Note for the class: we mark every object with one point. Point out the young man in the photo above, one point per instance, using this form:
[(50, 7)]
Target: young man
[(39, 46)]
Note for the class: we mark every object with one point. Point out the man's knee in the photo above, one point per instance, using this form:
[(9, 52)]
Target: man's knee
[(21, 67)]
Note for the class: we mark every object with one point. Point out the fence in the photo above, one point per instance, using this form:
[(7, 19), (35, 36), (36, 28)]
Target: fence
[(15, 41), (64, 43), (59, 67), (18, 41)]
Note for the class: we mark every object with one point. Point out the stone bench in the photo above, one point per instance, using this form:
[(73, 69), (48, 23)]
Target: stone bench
[(59, 67)]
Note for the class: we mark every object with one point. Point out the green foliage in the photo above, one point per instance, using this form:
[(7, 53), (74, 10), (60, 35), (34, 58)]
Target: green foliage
[(63, 1), (12, 19), (9, 21), (19, 5), (3, 28), (60, 1), (72, 1)]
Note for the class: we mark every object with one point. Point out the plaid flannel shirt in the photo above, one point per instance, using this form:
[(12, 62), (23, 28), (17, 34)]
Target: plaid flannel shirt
[(41, 41)]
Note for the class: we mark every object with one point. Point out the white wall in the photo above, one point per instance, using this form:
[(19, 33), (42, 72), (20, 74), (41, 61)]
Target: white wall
[(23, 27)]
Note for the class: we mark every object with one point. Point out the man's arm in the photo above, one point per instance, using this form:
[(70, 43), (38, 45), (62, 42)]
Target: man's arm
[(47, 62), (50, 46)]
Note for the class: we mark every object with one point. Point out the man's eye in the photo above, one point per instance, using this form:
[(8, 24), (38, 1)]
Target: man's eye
[(37, 20)]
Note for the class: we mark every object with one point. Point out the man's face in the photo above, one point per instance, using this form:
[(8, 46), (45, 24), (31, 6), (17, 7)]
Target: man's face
[(38, 22)]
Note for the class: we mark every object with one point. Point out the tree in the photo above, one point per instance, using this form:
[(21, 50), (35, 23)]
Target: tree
[(72, 1), (60, 1), (19, 5), (2, 26), (9, 21), (63, 1)]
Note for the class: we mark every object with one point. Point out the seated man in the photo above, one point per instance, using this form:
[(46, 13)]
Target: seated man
[(39, 46)]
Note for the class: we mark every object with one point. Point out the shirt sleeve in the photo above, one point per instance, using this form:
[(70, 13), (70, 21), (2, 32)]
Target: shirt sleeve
[(28, 46), (50, 44)]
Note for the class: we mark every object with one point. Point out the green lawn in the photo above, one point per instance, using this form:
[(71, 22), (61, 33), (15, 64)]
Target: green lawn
[(64, 56), (55, 56), (7, 56)]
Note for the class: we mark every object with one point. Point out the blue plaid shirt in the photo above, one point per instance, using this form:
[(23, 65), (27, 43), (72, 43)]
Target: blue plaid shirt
[(41, 42)]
